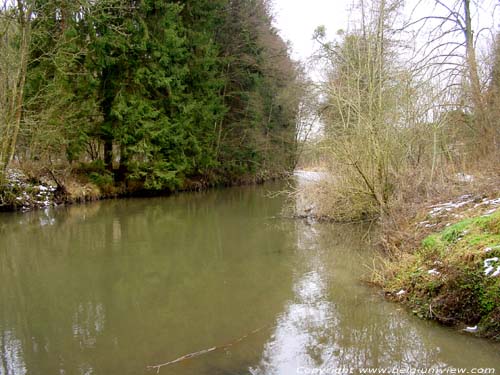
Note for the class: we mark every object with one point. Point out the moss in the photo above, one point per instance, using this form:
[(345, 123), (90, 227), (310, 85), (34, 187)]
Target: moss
[(432, 247), (430, 242), (460, 294), (475, 240), (453, 233)]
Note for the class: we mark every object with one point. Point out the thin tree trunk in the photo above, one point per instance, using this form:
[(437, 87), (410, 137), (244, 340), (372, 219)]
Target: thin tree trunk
[(25, 21), (14, 117), (218, 132), (476, 92), (108, 154)]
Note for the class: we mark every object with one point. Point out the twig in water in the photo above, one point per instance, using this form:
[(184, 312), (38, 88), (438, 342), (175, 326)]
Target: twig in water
[(204, 351)]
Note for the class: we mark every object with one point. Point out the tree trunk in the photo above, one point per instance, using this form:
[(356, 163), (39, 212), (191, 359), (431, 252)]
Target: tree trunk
[(25, 22), (15, 110), (476, 93), (108, 153)]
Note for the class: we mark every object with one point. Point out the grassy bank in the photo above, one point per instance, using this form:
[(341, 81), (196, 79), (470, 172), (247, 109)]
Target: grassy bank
[(439, 251), (453, 275), (397, 141)]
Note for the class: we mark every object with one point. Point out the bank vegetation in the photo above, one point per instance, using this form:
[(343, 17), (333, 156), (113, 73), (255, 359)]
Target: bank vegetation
[(410, 116), (115, 97)]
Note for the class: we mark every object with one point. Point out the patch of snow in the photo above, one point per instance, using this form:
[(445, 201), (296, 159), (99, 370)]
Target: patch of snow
[(31, 196), (433, 272), (489, 212), (488, 270), (462, 177), (487, 262), (401, 292), (491, 248), (450, 206), (488, 202), (471, 329), (489, 267)]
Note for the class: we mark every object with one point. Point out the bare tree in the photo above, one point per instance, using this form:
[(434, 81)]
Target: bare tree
[(449, 57), (363, 110)]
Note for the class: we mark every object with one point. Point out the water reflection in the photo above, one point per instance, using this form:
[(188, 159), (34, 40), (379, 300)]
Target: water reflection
[(11, 354), (301, 332), (335, 322), (111, 287), (88, 323)]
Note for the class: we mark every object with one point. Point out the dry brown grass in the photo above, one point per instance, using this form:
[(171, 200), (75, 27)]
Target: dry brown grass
[(410, 206), (78, 192)]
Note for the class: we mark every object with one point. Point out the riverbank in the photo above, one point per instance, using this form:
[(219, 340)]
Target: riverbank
[(185, 274), (22, 192), (450, 270), (439, 259), (439, 254)]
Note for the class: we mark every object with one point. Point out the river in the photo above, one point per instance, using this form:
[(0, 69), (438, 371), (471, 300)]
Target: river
[(115, 286)]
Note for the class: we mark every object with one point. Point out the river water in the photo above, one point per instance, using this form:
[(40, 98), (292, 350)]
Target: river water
[(113, 287)]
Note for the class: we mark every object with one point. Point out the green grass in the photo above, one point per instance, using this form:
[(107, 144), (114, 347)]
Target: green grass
[(461, 294)]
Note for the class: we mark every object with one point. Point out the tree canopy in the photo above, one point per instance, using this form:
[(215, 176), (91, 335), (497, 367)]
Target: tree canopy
[(148, 92)]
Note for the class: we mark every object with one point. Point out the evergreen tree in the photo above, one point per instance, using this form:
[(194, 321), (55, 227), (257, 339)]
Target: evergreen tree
[(158, 92)]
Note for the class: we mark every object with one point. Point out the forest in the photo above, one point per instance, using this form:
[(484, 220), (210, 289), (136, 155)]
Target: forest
[(145, 95)]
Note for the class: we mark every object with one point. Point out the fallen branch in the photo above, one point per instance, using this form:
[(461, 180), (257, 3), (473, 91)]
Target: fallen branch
[(439, 317), (204, 351)]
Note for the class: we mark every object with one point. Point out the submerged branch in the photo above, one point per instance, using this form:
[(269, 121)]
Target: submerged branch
[(204, 351)]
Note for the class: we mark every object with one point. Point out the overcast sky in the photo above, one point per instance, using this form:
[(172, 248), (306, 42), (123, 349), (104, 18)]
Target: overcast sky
[(297, 19)]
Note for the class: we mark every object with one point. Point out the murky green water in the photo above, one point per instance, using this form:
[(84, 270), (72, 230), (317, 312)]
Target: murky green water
[(112, 287)]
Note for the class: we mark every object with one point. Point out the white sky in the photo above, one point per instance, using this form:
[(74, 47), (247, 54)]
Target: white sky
[(297, 20)]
